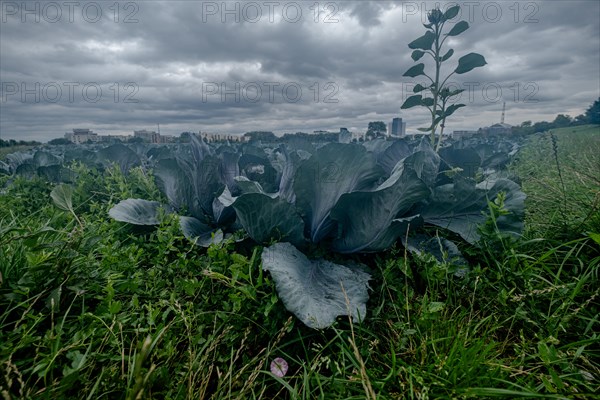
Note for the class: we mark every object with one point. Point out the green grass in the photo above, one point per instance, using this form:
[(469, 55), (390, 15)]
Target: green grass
[(101, 311), (560, 172)]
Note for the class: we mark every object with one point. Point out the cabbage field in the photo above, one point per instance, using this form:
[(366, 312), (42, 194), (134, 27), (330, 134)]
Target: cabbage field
[(295, 269)]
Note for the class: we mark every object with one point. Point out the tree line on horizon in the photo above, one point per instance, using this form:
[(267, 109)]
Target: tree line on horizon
[(591, 116), (375, 129)]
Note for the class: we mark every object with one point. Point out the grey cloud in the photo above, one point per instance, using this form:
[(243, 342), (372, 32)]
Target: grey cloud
[(174, 49)]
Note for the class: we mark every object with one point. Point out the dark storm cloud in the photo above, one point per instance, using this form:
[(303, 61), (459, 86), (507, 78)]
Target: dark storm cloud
[(238, 66)]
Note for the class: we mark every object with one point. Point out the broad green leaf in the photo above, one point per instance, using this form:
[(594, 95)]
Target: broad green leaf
[(367, 220), (226, 198), (393, 154), (44, 159), (419, 88), (118, 154), (452, 108), (424, 42), (446, 93), (417, 54), (19, 158), (223, 215), (415, 71), (291, 161), (206, 182), (175, 182), (460, 206), (412, 101), (316, 291), (451, 12), (320, 181), (468, 62), (199, 233), (595, 237), (427, 101), (57, 174), (448, 112), (62, 196), (136, 212), (459, 28), (377, 146), (84, 156), (448, 54), (4, 168), (424, 161), (200, 150), (266, 219), (229, 168)]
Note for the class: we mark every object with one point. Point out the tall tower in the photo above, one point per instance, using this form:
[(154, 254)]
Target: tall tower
[(503, 111)]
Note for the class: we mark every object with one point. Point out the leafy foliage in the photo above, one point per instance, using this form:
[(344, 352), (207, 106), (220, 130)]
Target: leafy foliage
[(341, 198), (316, 291), (431, 43), (136, 212), (102, 312)]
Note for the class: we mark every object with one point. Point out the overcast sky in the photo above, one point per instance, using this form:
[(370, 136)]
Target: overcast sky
[(282, 66)]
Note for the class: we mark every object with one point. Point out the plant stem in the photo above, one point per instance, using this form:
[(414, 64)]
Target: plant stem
[(435, 90)]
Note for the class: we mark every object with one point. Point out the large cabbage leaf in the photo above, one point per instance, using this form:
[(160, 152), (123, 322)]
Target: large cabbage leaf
[(175, 182), (316, 291), (136, 212), (45, 159), (4, 168), (62, 196), (288, 161), (393, 154), (265, 218), (57, 173), (200, 234), (229, 168), (119, 154), (367, 220), (424, 161), (460, 206), (206, 181), (320, 181)]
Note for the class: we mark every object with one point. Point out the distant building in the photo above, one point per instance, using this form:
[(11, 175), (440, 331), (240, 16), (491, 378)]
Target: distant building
[(115, 138), (147, 136), (167, 139), (80, 136), (499, 129), (398, 128), (463, 134), (496, 129)]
